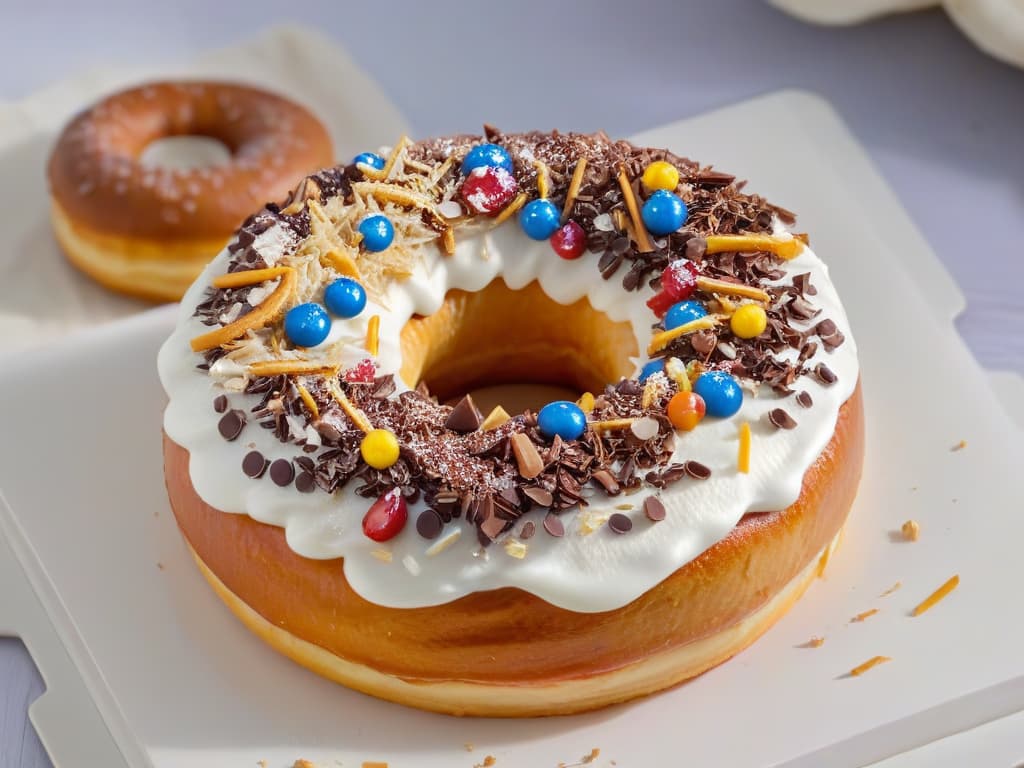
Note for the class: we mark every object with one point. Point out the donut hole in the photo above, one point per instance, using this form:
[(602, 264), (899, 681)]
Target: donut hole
[(516, 348), (185, 153)]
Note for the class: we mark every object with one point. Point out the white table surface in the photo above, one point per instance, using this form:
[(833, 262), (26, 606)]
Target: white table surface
[(941, 120)]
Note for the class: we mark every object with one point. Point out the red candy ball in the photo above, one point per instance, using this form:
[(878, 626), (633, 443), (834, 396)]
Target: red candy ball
[(386, 517), (569, 240), (488, 189), (678, 282)]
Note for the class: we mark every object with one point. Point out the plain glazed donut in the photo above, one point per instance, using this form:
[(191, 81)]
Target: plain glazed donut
[(507, 565), (148, 231)]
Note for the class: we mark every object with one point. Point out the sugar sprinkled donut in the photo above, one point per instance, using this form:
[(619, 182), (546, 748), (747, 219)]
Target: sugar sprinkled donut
[(148, 231), (539, 563)]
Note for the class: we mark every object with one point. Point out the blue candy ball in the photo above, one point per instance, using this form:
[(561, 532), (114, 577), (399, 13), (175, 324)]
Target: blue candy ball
[(561, 418), (487, 154), (663, 213), (307, 325), (684, 312), (651, 368), (377, 232), (371, 159), (539, 219), (721, 392), (345, 297)]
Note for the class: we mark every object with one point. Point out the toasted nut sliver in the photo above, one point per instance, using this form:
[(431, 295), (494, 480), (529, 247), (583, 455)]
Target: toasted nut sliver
[(784, 248), (267, 310)]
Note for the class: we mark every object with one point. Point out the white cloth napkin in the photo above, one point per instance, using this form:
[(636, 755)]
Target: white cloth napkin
[(995, 26), (41, 295)]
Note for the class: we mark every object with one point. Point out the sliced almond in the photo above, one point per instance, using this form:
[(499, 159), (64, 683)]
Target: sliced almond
[(527, 456)]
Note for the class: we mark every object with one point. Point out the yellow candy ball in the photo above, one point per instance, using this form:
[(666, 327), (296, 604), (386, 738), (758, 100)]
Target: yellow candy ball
[(660, 175), (379, 448), (749, 321)]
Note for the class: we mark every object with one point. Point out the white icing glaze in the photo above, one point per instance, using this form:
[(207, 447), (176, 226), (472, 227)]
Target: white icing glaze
[(597, 571)]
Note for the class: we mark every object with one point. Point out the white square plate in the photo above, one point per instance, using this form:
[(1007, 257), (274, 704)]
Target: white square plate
[(179, 682)]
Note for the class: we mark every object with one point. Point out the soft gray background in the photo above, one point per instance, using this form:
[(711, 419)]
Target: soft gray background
[(943, 122)]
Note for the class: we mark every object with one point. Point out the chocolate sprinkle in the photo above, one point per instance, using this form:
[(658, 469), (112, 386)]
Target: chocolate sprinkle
[(804, 399), (429, 524), (282, 472), (780, 419), (620, 523), (220, 403), (231, 424), (554, 526), (825, 374), (696, 470), (254, 464), (654, 509)]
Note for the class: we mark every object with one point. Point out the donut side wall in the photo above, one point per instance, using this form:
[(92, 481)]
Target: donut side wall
[(508, 636)]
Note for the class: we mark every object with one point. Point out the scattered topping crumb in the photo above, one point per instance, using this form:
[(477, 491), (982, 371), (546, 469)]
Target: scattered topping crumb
[(515, 548), (959, 446), (862, 616), (443, 543), (892, 589), (911, 530), (468, 746), (940, 593), (874, 661), (489, 760), (384, 555), (814, 642)]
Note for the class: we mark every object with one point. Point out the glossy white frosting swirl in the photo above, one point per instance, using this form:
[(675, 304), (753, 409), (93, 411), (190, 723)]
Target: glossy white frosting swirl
[(585, 572)]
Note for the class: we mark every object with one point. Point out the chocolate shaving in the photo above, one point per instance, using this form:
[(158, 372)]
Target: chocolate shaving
[(804, 399)]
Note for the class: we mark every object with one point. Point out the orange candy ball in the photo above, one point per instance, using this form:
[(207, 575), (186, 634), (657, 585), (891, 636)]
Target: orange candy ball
[(685, 410)]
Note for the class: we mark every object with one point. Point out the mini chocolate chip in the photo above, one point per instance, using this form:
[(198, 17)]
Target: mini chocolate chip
[(620, 523), (465, 416), (825, 374), (305, 482), (231, 423), (654, 509), (282, 472), (254, 464), (780, 419), (527, 531), (804, 399), (220, 403), (554, 526), (696, 470), (429, 524)]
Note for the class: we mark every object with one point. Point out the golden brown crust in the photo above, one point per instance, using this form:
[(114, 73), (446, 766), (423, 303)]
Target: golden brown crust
[(96, 178), (470, 640)]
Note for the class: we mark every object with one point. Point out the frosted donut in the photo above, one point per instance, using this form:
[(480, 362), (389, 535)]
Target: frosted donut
[(148, 231), (503, 564)]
